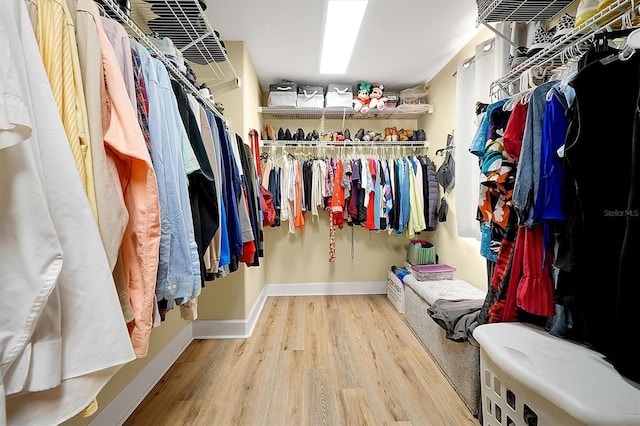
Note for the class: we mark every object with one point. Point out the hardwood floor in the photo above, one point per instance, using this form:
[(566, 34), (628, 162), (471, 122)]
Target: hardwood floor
[(311, 360)]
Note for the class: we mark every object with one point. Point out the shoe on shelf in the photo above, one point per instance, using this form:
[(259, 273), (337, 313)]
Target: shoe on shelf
[(281, 134), (298, 135), (586, 10), (271, 134), (518, 57), (347, 134), (263, 133), (541, 39), (359, 135), (287, 135), (420, 135), (387, 134), (370, 136), (566, 24), (405, 135)]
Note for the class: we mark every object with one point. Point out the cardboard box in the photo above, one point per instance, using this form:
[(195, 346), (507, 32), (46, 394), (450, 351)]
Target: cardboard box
[(395, 291)]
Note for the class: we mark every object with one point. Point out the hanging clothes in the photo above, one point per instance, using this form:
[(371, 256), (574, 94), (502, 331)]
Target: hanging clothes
[(141, 240), (55, 33), (66, 359), (202, 191), (527, 184), (112, 212), (178, 275), (601, 292)]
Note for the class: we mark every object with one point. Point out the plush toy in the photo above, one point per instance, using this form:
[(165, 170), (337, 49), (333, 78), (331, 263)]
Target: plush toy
[(376, 100), (361, 101)]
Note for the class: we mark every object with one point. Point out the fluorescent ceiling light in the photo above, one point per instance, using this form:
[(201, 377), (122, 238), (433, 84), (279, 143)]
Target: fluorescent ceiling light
[(340, 32)]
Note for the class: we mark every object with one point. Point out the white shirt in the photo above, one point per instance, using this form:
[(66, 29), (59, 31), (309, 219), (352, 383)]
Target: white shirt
[(73, 354)]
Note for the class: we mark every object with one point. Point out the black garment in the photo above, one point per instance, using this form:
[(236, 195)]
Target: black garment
[(253, 198), (603, 278), (352, 206), (432, 201), (274, 188), (202, 189), (307, 182)]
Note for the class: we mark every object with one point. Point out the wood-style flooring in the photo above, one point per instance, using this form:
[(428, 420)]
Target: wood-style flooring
[(311, 360)]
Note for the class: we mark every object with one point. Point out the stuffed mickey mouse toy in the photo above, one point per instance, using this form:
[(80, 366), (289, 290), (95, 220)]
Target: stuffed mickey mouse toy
[(361, 101), (376, 100)]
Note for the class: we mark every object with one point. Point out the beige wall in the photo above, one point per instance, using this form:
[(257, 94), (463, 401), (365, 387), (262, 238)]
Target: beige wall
[(254, 277)]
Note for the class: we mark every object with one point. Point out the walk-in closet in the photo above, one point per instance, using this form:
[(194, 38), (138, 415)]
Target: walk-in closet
[(339, 212)]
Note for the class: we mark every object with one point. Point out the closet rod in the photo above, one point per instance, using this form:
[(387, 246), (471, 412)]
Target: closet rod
[(364, 144), (176, 74)]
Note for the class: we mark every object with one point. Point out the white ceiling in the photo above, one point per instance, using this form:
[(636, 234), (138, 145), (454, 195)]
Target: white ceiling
[(402, 43)]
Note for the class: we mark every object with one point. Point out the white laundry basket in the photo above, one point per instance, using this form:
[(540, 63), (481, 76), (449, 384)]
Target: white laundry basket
[(529, 377)]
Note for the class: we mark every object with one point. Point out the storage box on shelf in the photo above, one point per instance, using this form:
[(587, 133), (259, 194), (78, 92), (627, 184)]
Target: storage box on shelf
[(339, 95), (413, 96), (310, 97), (391, 99), (283, 95)]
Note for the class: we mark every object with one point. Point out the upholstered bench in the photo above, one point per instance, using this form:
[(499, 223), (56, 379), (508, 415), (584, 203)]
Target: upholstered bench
[(458, 361)]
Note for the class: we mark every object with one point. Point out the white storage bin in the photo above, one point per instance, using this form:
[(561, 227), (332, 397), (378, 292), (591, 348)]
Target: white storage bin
[(283, 95), (310, 97), (339, 95), (395, 291), (529, 377)]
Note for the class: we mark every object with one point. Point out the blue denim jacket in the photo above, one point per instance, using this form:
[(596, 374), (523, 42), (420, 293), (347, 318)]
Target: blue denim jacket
[(525, 191)]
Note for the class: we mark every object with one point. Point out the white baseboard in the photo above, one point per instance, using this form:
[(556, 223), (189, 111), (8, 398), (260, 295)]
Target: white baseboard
[(116, 412), (230, 329), (324, 289)]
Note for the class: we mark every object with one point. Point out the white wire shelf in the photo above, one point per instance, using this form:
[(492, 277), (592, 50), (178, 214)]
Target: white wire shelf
[(565, 49), (187, 25), (519, 10), (343, 144), (112, 8), (339, 113)]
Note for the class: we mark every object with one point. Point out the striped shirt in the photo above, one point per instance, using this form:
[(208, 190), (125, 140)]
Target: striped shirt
[(55, 34)]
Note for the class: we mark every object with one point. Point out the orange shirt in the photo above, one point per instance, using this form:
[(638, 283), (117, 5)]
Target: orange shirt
[(141, 241)]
